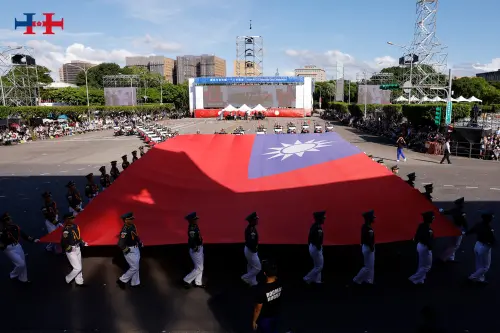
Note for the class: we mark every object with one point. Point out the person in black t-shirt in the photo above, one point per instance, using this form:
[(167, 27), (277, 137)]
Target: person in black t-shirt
[(268, 301)]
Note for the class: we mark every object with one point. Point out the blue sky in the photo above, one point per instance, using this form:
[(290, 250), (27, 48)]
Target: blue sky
[(320, 32)]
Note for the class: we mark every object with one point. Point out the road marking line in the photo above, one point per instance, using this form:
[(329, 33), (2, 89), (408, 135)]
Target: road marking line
[(495, 189), (44, 174), (471, 187), (63, 171), (448, 185), (80, 169)]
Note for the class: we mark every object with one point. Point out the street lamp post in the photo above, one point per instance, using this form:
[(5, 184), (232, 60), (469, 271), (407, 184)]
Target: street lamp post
[(1, 78), (85, 71)]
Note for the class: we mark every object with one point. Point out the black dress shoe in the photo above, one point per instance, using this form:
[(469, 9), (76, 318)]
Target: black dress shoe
[(121, 284), (200, 286), (186, 285), (136, 286), (80, 285)]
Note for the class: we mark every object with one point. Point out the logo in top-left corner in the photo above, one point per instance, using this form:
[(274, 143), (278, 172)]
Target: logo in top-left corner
[(47, 23)]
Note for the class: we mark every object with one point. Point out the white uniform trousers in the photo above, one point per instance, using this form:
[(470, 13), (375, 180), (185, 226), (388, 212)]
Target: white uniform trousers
[(75, 259), (366, 273), (196, 274), (133, 258), (483, 261), (51, 227), (75, 213), (317, 256), (16, 255), (424, 264), (449, 253), (253, 267)]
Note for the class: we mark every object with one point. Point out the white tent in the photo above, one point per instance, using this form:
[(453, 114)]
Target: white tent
[(230, 108), (437, 99), (475, 99), (244, 108), (453, 100), (414, 99), (401, 99), (425, 99), (259, 108), (462, 99)]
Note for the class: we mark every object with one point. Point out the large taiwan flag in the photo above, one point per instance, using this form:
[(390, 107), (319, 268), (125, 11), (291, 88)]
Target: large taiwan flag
[(284, 178)]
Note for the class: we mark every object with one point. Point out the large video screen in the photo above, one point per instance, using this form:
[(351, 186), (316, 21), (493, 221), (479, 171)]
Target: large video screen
[(269, 96), (124, 96), (374, 95)]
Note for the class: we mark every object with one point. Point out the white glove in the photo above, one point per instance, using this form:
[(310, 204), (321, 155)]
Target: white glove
[(85, 244), (441, 210), (36, 241)]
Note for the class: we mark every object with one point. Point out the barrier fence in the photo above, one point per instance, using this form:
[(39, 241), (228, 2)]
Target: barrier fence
[(464, 149)]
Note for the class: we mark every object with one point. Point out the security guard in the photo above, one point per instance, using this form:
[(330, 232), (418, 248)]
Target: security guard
[(195, 243), (74, 199), (105, 179), (114, 172), (134, 156), (428, 188), (130, 244), (251, 250), (425, 241), (71, 243), (141, 151), (395, 169), (51, 215), (10, 235), (125, 162), (411, 179), (91, 189), (459, 218), (485, 241), (366, 274), (315, 241)]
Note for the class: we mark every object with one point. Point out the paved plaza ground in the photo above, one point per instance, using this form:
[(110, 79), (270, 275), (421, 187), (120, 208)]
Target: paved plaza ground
[(161, 305)]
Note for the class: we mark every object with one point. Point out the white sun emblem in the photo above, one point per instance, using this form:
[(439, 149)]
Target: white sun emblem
[(298, 148)]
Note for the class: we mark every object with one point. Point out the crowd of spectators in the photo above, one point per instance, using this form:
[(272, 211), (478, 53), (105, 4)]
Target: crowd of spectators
[(490, 146)]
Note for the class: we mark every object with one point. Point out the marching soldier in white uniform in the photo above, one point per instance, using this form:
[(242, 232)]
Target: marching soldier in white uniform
[(316, 248), (91, 189), (71, 243), (459, 218), (425, 241), (251, 250), (195, 243), (130, 244), (485, 241), (10, 235), (74, 199), (51, 215), (366, 274)]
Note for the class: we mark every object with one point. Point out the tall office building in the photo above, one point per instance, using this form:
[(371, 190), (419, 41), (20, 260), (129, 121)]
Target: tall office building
[(239, 67), (205, 65), (69, 71), (155, 64), (316, 73), (490, 76)]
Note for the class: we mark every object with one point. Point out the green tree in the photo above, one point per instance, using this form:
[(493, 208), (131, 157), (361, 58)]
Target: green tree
[(478, 87), (23, 75), (95, 74), (325, 90)]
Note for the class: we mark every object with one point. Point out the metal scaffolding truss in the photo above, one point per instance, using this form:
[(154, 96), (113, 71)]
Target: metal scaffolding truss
[(19, 84), (426, 58), (117, 81), (375, 78), (249, 56)]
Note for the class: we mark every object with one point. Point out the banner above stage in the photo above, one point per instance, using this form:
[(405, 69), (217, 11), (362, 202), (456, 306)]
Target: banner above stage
[(248, 80)]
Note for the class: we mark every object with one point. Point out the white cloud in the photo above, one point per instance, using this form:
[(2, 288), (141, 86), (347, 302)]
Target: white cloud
[(493, 66), (156, 44)]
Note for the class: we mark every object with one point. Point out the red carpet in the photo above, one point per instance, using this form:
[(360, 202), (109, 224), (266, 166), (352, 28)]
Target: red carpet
[(283, 177)]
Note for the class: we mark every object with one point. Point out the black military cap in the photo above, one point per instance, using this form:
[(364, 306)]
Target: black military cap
[(124, 157), (369, 216), (487, 215), (380, 161), (395, 168), (71, 183), (411, 175), (252, 217), (319, 215), (102, 169), (128, 216), (370, 156), (113, 162), (429, 186), (460, 201), (134, 152), (141, 147), (191, 216), (46, 194), (5, 217), (89, 176), (68, 216), (428, 216)]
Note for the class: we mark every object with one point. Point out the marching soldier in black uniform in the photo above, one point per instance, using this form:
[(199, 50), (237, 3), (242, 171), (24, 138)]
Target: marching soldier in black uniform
[(125, 163), (130, 244), (411, 179), (395, 169), (367, 273), (134, 156), (459, 218), (251, 250), (114, 172), (74, 199), (71, 243), (485, 241), (91, 189), (429, 188), (315, 241), (51, 215), (141, 151), (425, 242), (104, 179), (195, 243), (10, 236)]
